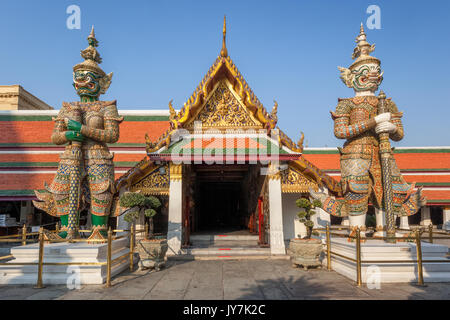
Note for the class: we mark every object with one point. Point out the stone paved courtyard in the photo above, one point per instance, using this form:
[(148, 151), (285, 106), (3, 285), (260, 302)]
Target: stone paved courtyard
[(244, 279)]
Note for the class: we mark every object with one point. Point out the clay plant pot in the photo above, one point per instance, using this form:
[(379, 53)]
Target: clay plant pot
[(152, 253), (305, 252)]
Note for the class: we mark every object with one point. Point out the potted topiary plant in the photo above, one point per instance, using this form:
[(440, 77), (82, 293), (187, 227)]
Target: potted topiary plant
[(306, 251), (151, 250)]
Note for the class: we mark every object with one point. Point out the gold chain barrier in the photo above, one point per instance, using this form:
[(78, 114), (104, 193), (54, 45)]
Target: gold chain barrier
[(22, 238), (417, 238)]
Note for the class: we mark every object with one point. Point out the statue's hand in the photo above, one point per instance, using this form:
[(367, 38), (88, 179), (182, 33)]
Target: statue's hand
[(385, 127), (383, 117), (74, 136), (73, 125)]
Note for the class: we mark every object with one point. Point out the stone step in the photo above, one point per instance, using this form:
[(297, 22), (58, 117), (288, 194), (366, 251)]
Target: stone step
[(223, 237), (374, 252), (226, 251), (225, 244), (229, 257), (216, 252), (78, 253)]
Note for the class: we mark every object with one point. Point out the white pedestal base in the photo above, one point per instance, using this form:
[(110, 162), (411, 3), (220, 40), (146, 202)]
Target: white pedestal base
[(64, 252), (374, 250)]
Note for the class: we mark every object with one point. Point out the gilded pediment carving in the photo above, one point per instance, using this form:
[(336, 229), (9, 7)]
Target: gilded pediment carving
[(223, 110), (155, 183), (293, 181)]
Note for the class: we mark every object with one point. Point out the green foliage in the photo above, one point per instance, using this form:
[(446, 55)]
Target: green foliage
[(301, 214), (132, 199), (131, 216), (149, 213), (154, 202), (309, 224), (138, 203), (305, 215), (316, 203), (304, 203)]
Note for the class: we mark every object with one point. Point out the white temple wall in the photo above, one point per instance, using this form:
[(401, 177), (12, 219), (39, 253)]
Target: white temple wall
[(291, 225)]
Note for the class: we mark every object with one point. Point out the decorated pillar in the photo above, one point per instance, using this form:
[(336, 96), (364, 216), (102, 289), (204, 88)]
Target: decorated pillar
[(404, 223), (345, 221), (425, 218), (174, 229), (276, 239), (446, 218)]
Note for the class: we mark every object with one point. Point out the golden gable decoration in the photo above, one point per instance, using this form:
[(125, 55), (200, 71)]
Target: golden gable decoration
[(157, 182), (223, 110), (292, 181)]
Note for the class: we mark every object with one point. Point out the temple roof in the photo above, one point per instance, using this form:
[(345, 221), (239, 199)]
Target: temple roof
[(222, 72)]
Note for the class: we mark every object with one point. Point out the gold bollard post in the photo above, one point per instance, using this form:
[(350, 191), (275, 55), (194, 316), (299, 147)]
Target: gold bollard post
[(24, 235), (430, 233), (328, 249), (39, 284), (419, 259), (132, 246), (108, 259), (358, 258)]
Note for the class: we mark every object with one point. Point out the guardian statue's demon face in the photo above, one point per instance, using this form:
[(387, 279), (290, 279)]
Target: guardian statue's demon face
[(365, 77), (87, 83)]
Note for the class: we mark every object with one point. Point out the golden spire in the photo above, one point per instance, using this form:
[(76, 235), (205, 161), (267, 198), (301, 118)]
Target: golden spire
[(224, 51), (363, 48), (92, 34)]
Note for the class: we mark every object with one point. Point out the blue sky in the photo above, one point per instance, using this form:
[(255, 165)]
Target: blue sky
[(286, 50)]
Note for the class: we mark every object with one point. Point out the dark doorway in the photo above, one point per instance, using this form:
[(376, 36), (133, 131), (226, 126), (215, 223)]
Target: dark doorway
[(225, 197), (219, 208)]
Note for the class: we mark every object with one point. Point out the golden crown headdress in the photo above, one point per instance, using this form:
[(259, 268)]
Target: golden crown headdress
[(362, 50), (91, 57)]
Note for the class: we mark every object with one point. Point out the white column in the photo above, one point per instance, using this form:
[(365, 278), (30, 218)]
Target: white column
[(345, 221), (404, 224), (446, 218), (175, 210), (276, 216), (358, 221), (26, 212), (380, 217), (425, 219)]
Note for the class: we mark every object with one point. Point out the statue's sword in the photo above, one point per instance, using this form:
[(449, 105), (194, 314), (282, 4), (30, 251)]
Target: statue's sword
[(385, 155), (75, 182)]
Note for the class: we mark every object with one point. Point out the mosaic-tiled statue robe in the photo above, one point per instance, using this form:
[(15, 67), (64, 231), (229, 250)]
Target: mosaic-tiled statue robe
[(100, 125), (85, 176), (361, 179), (360, 122)]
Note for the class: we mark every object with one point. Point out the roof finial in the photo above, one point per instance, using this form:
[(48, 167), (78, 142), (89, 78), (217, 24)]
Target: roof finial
[(224, 51)]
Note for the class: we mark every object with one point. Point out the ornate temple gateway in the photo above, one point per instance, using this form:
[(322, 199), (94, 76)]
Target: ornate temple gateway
[(220, 165), (224, 165)]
